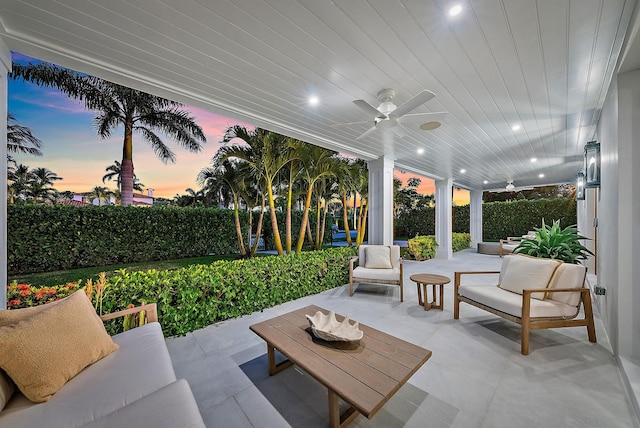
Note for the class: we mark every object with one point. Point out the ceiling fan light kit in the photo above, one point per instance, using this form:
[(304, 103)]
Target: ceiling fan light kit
[(389, 117)]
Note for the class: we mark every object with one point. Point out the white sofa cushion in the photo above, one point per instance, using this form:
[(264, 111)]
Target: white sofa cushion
[(7, 388), (169, 407), (363, 273), (377, 257), (567, 276), (141, 366), (511, 303), (526, 273)]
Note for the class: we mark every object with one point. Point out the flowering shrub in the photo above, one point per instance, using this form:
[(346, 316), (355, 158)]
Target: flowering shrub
[(25, 295), (199, 295)]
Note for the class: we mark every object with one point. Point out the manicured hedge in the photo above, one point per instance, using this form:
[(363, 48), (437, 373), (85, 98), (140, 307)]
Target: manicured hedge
[(47, 238), (499, 219), (197, 296)]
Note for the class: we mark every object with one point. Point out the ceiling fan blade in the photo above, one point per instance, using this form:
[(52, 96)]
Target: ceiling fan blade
[(399, 131), (367, 132), (351, 123), (367, 107), (414, 102), (421, 118)]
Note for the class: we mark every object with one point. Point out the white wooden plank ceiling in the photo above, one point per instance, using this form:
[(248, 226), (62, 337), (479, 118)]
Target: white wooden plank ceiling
[(544, 65)]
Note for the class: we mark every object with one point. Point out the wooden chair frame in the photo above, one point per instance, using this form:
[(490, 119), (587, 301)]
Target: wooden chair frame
[(527, 322), (151, 308)]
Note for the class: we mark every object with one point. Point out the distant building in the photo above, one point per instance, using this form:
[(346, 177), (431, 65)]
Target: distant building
[(83, 199)]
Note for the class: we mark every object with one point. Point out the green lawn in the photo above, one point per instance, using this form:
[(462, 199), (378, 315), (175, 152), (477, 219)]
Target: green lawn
[(47, 279)]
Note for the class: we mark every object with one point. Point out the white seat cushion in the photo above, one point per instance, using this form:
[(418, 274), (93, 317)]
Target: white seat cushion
[(511, 303), (169, 407), (142, 365), (526, 273), (363, 273)]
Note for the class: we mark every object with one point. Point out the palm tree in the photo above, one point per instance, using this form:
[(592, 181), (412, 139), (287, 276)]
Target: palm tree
[(345, 186), (19, 180), (100, 193), (317, 163), (228, 173), (361, 183), (42, 181), (118, 106), (114, 171), (266, 153), (20, 139), (193, 196)]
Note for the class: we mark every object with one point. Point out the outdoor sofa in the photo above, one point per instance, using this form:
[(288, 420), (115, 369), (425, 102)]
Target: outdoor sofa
[(536, 293), (133, 386)]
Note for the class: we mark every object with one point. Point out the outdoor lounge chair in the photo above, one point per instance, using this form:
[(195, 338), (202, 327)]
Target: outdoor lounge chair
[(377, 264)]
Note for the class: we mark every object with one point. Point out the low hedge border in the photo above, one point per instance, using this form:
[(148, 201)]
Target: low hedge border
[(197, 296)]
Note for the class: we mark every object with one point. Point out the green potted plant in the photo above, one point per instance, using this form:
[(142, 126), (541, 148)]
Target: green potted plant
[(553, 242)]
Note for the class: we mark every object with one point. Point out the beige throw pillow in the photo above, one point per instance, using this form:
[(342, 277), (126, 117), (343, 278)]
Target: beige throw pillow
[(42, 352), (377, 257), (525, 273)]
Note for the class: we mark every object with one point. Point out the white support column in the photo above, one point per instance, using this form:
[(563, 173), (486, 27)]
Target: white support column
[(5, 68), (381, 201), (444, 222), (475, 217)]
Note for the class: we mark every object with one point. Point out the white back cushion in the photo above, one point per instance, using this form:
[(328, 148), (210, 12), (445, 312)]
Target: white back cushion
[(525, 272), (567, 276), (377, 257)]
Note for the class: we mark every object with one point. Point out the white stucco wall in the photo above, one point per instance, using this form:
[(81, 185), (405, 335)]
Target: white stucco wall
[(618, 242)]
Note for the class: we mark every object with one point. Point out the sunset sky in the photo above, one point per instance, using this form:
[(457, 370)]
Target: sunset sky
[(73, 150)]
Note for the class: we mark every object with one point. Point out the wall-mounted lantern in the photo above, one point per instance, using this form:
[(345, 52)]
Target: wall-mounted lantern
[(592, 164)]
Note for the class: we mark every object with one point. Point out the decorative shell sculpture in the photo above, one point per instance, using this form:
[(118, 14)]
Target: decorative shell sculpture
[(327, 327)]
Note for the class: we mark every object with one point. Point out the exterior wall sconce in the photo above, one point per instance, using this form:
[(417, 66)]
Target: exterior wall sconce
[(592, 164), (580, 187)]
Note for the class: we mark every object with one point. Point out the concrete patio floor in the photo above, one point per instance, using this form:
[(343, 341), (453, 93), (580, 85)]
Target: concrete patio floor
[(476, 376)]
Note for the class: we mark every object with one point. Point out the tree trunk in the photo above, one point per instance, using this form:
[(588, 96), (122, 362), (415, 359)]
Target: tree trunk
[(126, 172), (345, 219), (274, 221), (288, 220), (305, 220), (254, 247), (322, 228), (236, 215), (318, 244)]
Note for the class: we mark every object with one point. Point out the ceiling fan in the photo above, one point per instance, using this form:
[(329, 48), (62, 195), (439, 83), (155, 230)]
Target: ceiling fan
[(389, 117), (511, 188)]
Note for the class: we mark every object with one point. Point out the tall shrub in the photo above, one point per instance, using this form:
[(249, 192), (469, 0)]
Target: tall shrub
[(46, 238)]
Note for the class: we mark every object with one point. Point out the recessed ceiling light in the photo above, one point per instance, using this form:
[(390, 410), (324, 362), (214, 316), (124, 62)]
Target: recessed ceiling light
[(516, 127), (540, 175), (534, 159), (462, 171), (313, 101), (485, 182), (420, 151), (430, 126), (455, 10)]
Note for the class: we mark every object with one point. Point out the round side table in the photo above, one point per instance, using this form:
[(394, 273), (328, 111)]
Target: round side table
[(434, 280)]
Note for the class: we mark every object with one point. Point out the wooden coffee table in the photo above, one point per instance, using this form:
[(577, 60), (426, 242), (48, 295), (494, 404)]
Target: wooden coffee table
[(434, 280), (365, 374)]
